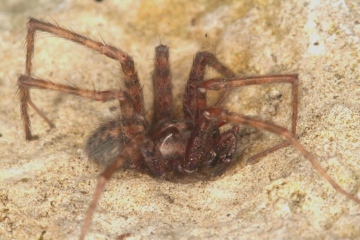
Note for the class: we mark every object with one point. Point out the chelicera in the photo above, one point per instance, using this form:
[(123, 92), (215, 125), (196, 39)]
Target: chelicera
[(163, 146)]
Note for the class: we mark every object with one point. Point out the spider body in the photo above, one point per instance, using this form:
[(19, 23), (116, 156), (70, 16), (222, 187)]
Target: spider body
[(170, 146), (165, 145)]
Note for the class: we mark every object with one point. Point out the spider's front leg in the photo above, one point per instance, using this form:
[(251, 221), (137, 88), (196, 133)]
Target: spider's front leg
[(194, 101)]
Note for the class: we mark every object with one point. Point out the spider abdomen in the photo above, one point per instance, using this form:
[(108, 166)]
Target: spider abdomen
[(105, 143)]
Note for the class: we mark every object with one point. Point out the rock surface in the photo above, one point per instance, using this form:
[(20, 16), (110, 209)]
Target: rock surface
[(47, 184)]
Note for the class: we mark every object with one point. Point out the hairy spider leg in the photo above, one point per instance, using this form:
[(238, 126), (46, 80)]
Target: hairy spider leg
[(224, 83), (163, 103), (30, 82), (130, 152), (131, 80), (223, 116), (194, 103), (127, 154), (127, 110)]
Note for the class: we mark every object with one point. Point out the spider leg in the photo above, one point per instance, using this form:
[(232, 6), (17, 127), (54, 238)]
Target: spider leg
[(194, 102), (218, 84), (162, 85), (128, 153), (131, 121), (132, 83), (30, 82), (223, 116)]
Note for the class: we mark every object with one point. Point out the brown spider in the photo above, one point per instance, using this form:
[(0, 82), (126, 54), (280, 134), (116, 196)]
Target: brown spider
[(165, 146)]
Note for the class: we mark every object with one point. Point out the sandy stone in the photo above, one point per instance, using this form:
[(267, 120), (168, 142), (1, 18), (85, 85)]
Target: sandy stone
[(46, 185)]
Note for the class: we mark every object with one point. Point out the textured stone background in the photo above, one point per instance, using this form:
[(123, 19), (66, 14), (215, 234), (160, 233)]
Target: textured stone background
[(46, 185)]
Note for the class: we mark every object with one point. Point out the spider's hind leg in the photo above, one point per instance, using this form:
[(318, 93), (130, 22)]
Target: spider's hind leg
[(227, 84), (225, 117)]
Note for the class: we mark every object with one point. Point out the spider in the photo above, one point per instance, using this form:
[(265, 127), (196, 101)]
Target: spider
[(164, 146)]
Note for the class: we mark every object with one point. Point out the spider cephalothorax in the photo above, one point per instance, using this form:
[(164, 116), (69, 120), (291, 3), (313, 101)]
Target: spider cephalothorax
[(165, 145)]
